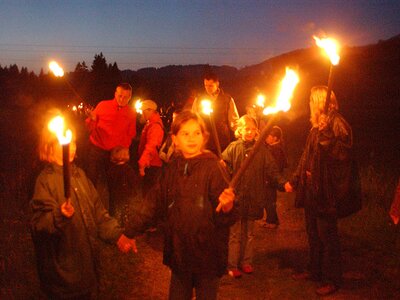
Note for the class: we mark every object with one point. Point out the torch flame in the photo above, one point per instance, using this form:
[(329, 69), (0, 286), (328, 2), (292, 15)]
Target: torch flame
[(56, 125), (138, 106), (206, 106), (331, 47), (288, 85), (260, 100), (56, 69)]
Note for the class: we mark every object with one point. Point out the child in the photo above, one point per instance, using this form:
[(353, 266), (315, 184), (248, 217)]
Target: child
[(275, 146), (250, 193), (64, 231), (187, 198)]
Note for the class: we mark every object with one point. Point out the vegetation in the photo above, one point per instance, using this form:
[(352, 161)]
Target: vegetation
[(368, 88)]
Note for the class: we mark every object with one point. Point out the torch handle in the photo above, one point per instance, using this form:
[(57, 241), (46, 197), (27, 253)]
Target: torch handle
[(245, 164), (66, 172), (215, 136), (329, 90)]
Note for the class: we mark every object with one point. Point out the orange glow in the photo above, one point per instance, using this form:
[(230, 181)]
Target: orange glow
[(138, 106), (260, 100), (288, 85), (206, 106), (56, 69), (56, 125), (331, 48)]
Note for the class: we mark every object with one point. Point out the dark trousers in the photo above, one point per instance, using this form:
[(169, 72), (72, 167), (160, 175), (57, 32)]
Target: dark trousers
[(97, 166), (324, 243), (270, 206), (182, 284)]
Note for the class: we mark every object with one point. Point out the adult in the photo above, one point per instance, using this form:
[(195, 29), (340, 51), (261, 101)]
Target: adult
[(112, 126), (324, 188), (225, 113), (150, 143)]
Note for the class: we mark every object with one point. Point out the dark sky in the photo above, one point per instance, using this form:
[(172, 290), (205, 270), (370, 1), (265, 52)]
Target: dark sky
[(138, 34)]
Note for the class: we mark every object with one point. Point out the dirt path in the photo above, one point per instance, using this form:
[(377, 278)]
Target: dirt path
[(371, 269), (277, 254)]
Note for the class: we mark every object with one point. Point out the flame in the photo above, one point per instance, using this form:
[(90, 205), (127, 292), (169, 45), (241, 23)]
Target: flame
[(56, 125), (56, 69), (331, 47), (138, 106), (288, 85), (260, 100), (206, 106)]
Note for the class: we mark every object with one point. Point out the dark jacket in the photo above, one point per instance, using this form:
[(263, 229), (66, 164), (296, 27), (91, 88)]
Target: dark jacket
[(66, 247), (196, 237), (250, 191), (333, 187)]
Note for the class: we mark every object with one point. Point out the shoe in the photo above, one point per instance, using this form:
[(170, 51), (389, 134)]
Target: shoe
[(248, 269), (326, 289), (305, 276), (235, 273), (270, 225)]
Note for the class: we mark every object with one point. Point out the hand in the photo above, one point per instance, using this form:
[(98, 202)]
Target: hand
[(226, 200), (395, 219), (288, 187), (322, 122), (67, 210), (141, 171), (125, 244)]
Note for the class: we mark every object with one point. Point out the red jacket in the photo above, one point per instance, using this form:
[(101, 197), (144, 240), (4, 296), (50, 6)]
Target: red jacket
[(114, 125), (150, 142)]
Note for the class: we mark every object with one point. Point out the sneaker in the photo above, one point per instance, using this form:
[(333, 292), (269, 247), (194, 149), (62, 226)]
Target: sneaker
[(305, 276), (235, 273), (326, 289), (270, 225), (248, 269)]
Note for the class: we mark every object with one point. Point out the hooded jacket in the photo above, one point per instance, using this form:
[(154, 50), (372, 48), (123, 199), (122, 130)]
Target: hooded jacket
[(332, 186), (196, 236), (250, 191), (66, 247)]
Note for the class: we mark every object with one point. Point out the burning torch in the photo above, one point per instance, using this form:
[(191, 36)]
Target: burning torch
[(58, 71), (64, 136), (331, 48), (207, 110)]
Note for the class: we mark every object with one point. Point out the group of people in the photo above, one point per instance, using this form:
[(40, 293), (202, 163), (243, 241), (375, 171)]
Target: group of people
[(208, 225)]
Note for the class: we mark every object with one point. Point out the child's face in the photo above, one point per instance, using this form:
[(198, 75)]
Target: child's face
[(58, 155), (249, 131), (189, 139), (271, 139)]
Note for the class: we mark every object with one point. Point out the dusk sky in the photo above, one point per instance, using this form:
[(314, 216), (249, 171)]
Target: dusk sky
[(139, 34)]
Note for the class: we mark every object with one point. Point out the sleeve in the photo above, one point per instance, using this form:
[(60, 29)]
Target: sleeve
[(47, 217), (155, 134), (233, 115), (90, 123), (108, 227), (272, 171), (217, 186)]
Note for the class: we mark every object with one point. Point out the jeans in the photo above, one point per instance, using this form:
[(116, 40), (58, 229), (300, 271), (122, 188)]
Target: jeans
[(241, 244)]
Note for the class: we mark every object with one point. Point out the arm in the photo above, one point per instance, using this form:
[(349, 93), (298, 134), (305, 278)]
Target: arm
[(155, 134), (47, 215)]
